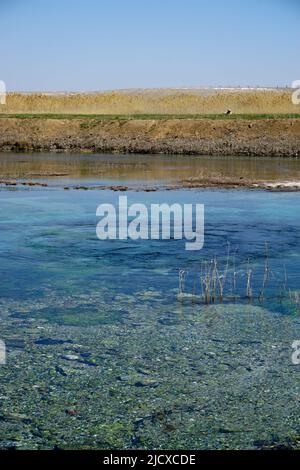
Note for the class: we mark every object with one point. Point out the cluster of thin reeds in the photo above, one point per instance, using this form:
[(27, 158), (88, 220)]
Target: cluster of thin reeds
[(294, 296), (218, 282)]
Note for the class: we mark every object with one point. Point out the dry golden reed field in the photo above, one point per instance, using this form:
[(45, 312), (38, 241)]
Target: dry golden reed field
[(154, 102)]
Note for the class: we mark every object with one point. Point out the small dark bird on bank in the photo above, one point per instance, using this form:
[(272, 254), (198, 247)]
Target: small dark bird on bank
[(228, 111)]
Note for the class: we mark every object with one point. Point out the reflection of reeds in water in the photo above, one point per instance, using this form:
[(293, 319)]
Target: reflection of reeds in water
[(219, 281)]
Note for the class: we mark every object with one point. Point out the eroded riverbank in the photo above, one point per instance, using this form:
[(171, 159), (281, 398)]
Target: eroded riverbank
[(254, 137)]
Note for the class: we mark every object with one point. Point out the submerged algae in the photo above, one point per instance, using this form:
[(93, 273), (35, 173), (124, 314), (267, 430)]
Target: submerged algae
[(219, 378)]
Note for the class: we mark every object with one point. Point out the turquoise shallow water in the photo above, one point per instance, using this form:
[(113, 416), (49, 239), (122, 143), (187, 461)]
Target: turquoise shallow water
[(48, 241), (101, 353)]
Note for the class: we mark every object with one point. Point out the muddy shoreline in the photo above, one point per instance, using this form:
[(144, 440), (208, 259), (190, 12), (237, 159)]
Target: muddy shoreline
[(262, 137), (191, 183)]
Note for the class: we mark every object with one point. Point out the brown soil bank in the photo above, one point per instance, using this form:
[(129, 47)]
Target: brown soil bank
[(261, 137)]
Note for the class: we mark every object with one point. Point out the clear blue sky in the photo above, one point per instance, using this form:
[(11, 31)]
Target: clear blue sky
[(108, 44)]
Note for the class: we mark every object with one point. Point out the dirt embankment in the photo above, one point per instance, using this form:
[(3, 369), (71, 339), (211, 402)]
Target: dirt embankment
[(259, 137)]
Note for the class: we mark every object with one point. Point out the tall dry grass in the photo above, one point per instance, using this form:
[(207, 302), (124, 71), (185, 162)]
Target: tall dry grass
[(174, 102)]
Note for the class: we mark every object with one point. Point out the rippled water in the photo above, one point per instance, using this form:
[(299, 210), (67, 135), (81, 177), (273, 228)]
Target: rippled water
[(48, 241), (102, 354)]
